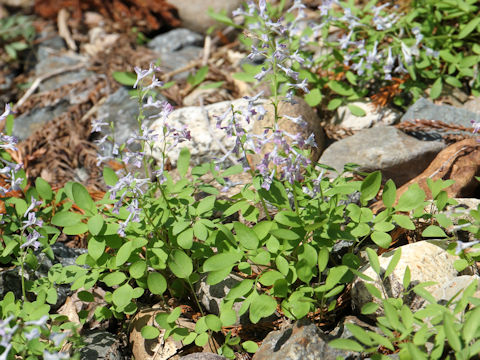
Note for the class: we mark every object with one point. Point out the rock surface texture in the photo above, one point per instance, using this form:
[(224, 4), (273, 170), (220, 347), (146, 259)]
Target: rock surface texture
[(427, 261), (400, 157)]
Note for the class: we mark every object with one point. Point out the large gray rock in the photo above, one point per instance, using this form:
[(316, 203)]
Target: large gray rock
[(301, 341), (400, 157), (427, 261), (193, 13), (175, 40), (426, 110)]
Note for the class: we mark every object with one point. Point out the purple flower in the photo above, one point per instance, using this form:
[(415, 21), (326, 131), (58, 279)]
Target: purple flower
[(8, 111), (97, 124), (141, 74), (32, 238)]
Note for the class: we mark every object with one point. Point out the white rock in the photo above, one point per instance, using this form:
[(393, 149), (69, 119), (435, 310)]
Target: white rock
[(427, 261), (208, 142), (345, 119)]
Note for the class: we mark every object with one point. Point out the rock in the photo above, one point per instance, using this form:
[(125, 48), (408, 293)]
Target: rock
[(100, 345), (201, 96), (301, 341), (208, 142), (426, 110), (157, 348), (345, 119), (473, 105), (193, 13), (455, 288), (211, 296), (175, 40), (203, 356), (27, 123), (179, 59), (427, 260), (10, 279), (120, 109), (399, 156), (300, 107), (58, 61)]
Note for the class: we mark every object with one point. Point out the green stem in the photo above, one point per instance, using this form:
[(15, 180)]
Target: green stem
[(22, 270)]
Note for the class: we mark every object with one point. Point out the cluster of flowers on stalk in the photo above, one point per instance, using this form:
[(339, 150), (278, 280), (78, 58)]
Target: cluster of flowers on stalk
[(271, 39), (130, 187), (395, 55), (9, 171), (31, 330)]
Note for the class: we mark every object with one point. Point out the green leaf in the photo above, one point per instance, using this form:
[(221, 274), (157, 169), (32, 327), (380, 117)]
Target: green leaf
[(96, 248), (356, 110), (214, 85), (125, 78), (66, 218), (268, 278), (436, 89), (313, 98), (346, 344), (370, 186), (373, 260), (213, 322), (114, 278), (122, 296), (183, 162), (433, 231), (288, 218), (221, 261), (185, 239), (109, 176), (450, 80), (76, 229), (156, 283), (44, 189), (82, 197), (369, 308), (250, 346), (374, 291), (180, 264), (246, 236), (472, 324), (221, 18), (403, 221), (240, 289), (262, 307), (150, 332), (406, 278), (411, 199), (451, 332), (334, 103), (86, 296), (393, 262), (341, 88), (201, 340), (382, 239), (123, 253), (334, 276), (95, 224), (137, 269), (389, 193), (323, 257), (468, 28)]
